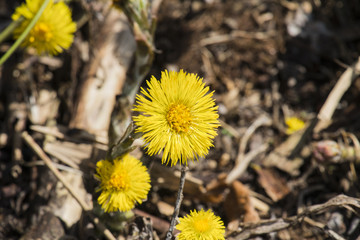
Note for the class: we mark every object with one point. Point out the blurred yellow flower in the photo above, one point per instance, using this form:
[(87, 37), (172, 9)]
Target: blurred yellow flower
[(53, 32), (294, 124), (123, 182), (201, 226), (178, 116)]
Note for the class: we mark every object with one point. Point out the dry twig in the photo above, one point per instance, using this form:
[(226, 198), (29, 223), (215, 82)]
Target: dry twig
[(240, 168), (236, 34), (274, 225), (242, 161), (263, 120)]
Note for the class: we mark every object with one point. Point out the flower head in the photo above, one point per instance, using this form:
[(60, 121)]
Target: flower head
[(178, 116), (294, 124), (123, 182), (201, 226), (53, 32)]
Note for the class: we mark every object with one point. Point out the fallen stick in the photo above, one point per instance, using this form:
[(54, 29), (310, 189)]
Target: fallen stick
[(268, 226)]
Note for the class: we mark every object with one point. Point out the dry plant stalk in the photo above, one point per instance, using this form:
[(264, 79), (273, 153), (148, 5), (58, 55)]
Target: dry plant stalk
[(105, 76), (327, 110)]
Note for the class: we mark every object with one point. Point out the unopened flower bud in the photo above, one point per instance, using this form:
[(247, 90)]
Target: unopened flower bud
[(327, 151)]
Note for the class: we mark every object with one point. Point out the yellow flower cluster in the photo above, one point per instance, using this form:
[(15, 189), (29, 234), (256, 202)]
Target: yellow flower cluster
[(53, 32), (177, 116), (201, 226), (124, 182)]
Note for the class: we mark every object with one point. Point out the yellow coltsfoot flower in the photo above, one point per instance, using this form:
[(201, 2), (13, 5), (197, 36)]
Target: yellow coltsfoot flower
[(124, 182), (294, 124), (53, 32), (178, 116), (201, 226)]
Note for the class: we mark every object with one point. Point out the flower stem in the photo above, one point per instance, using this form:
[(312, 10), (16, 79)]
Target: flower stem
[(177, 203), (25, 33), (9, 29)]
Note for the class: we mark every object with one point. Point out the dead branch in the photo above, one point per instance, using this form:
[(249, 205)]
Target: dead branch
[(274, 225)]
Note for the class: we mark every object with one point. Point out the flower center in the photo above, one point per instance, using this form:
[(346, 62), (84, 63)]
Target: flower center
[(201, 225), (120, 181), (179, 117), (41, 32)]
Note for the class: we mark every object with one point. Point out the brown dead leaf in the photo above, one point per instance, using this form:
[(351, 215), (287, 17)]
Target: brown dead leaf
[(215, 189), (274, 185), (238, 205)]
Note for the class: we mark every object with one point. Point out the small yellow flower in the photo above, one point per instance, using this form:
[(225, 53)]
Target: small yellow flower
[(123, 182), (53, 32), (294, 124), (201, 226), (178, 116)]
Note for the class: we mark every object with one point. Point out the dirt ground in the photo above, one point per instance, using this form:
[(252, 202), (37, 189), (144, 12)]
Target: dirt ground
[(266, 60)]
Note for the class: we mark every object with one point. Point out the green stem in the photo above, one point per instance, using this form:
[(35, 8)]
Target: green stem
[(9, 29), (25, 33)]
